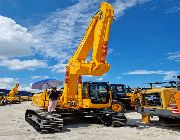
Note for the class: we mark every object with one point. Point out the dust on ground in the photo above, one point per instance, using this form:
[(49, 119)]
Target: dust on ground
[(14, 127)]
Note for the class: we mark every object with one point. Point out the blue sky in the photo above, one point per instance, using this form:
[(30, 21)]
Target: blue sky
[(38, 37)]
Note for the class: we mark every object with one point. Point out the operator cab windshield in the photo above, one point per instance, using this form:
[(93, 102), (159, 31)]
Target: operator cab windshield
[(97, 92), (120, 89)]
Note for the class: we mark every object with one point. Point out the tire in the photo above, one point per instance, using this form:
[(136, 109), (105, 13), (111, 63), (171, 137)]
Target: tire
[(117, 106)]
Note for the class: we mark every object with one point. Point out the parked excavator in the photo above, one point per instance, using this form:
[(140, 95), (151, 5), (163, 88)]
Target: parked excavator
[(72, 103), (12, 97)]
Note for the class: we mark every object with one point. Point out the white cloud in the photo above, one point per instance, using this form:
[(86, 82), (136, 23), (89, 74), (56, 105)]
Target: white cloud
[(56, 36), (60, 33), (7, 83), (17, 64), (28, 88), (35, 77), (62, 30), (59, 68), (110, 51), (15, 40), (39, 77), (175, 56), (174, 9), (99, 79), (168, 75), (88, 76), (119, 77), (142, 72), (121, 5)]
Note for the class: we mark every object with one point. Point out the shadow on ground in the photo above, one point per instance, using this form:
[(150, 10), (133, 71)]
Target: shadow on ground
[(171, 124)]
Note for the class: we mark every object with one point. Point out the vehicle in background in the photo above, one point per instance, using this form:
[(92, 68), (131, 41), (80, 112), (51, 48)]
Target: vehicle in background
[(135, 96), (121, 101), (2, 99), (12, 97), (24, 98), (163, 102)]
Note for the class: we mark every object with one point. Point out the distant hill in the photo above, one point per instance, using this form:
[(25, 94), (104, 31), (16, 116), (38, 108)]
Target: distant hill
[(21, 93)]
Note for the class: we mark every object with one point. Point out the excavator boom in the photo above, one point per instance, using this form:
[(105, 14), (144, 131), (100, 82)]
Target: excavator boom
[(12, 96), (95, 39), (14, 91)]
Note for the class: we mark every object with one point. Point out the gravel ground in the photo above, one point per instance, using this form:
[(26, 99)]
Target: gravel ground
[(14, 127)]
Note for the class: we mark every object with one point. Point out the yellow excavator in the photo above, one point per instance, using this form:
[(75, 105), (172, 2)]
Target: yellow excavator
[(12, 97), (74, 101)]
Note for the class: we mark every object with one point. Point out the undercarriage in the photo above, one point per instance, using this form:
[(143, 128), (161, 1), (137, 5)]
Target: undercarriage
[(45, 123)]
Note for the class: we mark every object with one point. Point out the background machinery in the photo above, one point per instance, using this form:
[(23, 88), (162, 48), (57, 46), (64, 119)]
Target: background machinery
[(135, 95), (12, 97), (73, 103), (162, 102), (121, 100), (24, 98), (2, 98)]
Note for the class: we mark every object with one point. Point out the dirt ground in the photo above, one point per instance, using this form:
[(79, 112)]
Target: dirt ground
[(14, 127)]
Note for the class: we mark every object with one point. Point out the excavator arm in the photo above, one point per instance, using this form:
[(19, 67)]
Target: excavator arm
[(95, 39), (14, 91)]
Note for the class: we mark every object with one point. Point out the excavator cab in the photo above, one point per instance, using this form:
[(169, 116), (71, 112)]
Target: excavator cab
[(98, 92)]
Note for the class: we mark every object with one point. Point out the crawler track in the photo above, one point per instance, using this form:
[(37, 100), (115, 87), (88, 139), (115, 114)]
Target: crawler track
[(114, 119), (43, 122)]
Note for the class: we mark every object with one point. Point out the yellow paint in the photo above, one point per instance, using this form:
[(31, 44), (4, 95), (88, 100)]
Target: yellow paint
[(134, 96), (41, 99), (96, 36), (145, 118), (177, 98), (168, 96), (165, 94), (14, 91), (24, 98), (117, 107), (12, 96)]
